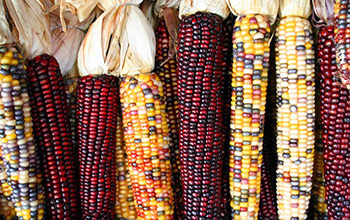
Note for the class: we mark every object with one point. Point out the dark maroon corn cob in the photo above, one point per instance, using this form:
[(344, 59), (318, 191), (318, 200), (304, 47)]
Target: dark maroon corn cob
[(97, 112), (200, 83), (227, 91), (53, 136), (167, 73), (335, 120)]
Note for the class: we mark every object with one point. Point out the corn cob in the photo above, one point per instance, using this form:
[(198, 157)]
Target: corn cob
[(249, 80), (295, 115), (147, 145), (342, 35), (200, 83), (53, 136), (71, 92), (97, 111), (227, 65), (7, 210), (125, 208), (19, 152), (335, 106), (167, 73)]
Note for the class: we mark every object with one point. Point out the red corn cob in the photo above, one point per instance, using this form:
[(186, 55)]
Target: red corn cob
[(97, 113), (168, 76), (53, 135), (200, 63), (335, 119)]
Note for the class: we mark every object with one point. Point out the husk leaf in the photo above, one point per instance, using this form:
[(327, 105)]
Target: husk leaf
[(108, 4), (268, 8), (219, 7), (32, 26), (324, 10), (148, 9), (301, 8), (120, 42), (5, 31), (163, 4), (81, 8)]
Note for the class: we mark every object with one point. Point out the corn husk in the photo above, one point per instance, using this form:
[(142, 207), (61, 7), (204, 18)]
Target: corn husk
[(120, 42), (301, 8), (81, 8), (148, 9), (219, 7), (324, 10), (163, 4), (5, 31), (268, 8), (32, 25)]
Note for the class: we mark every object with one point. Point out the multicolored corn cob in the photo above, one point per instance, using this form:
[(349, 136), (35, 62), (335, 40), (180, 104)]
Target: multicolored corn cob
[(342, 36), (146, 137), (7, 210), (295, 64), (167, 73), (200, 84), (19, 152), (97, 116), (124, 207), (335, 119), (53, 136), (249, 82)]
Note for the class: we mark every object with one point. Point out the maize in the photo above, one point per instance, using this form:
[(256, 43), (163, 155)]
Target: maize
[(147, 145), (7, 210), (249, 81), (71, 92), (97, 114), (167, 73), (342, 36), (53, 136), (295, 66), (125, 208), (19, 152), (335, 120), (200, 84)]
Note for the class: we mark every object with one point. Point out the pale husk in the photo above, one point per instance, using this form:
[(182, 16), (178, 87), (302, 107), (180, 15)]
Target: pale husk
[(219, 7), (163, 4), (120, 42), (81, 8), (147, 7), (324, 10), (300, 8), (108, 4), (268, 8), (32, 25), (5, 31)]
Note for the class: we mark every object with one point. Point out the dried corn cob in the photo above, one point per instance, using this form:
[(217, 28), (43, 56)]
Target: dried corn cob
[(19, 152), (71, 92), (342, 35), (147, 145), (200, 84), (53, 136), (335, 106), (97, 111), (7, 210), (295, 109), (167, 73), (249, 80), (125, 208)]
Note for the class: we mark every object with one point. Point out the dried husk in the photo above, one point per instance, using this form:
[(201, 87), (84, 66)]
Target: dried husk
[(219, 7), (120, 42), (268, 8), (81, 8), (32, 26), (300, 8), (148, 9), (163, 4), (324, 10), (5, 31)]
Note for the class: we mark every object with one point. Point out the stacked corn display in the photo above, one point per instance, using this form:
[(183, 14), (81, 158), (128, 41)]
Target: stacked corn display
[(335, 106), (167, 73), (124, 207), (53, 136), (249, 80), (295, 64), (147, 145), (97, 114), (19, 152), (342, 35)]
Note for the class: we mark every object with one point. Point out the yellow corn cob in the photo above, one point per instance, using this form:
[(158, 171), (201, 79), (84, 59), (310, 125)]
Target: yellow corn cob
[(295, 116), (124, 207), (249, 82), (146, 140)]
